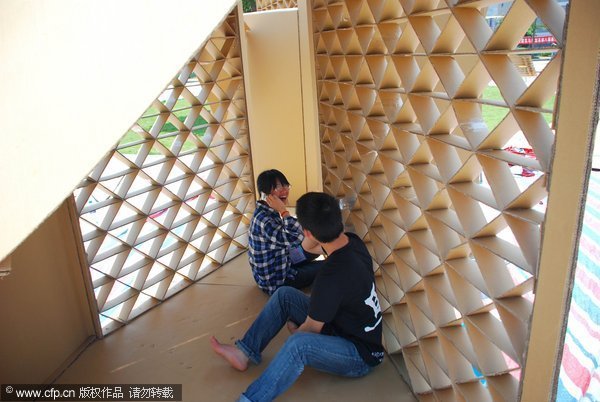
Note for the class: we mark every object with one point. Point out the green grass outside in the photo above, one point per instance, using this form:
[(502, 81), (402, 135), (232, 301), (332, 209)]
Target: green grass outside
[(492, 115), (148, 119)]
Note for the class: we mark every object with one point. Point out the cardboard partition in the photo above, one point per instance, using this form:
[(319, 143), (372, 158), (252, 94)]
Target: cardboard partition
[(443, 306), (496, 271), (458, 337), (416, 371), (505, 387), (515, 313), (436, 369), (405, 262), (449, 243), (474, 391), (544, 86), (513, 26), (414, 148), (474, 25), (538, 134), (430, 193), (420, 314), (450, 37), (460, 370), (490, 358), (505, 75), (427, 31), (395, 294), (391, 344)]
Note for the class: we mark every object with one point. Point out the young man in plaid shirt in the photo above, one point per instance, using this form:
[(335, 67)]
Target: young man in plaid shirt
[(278, 253)]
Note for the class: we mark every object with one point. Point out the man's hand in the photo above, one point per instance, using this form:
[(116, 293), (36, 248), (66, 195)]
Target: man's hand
[(311, 325)]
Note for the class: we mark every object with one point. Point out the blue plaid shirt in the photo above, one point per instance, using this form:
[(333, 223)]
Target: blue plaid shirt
[(269, 242)]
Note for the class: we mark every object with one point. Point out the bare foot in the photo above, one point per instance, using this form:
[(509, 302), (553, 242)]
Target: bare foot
[(232, 354), (292, 327)]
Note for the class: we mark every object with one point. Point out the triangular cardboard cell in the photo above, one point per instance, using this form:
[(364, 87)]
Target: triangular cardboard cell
[(527, 236), (544, 87), (538, 134), (512, 27), (178, 283), (340, 69), (490, 357), (501, 180), (447, 122), (339, 16), (449, 72), (425, 251), (231, 69), (490, 325), (506, 75), (449, 159), (332, 43), (426, 111), (505, 250), (349, 41), (208, 266), (404, 325), (476, 79), (531, 196), (321, 19), (359, 70), (442, 302), (391, 343), (381, 251), (324, 70), (449, 243), (469, 298), (349, 97), (420, 314), (320, 46), (359, 12), (418, 6), (410, 280), (436, 369), (504, 387), (515, 314), (460, 370), (474, 25), (474, 391), (450, 37), (430, 193), (459, 339), (427, 31), (553, 16), (390, 34)]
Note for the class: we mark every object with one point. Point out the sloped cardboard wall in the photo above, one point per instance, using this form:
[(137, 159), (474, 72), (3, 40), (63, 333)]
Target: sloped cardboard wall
[(70, 93), (172, 201)]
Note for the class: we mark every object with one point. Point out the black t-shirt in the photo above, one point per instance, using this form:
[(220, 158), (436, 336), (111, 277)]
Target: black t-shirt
[(343, 297)]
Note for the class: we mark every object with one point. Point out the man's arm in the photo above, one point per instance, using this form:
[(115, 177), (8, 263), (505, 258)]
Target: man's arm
[(311, 245), (310, 325)]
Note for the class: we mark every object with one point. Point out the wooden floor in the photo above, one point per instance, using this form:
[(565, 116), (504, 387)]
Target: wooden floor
[(169, 345)]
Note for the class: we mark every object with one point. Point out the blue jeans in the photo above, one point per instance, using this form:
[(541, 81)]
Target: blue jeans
[(331, 354)]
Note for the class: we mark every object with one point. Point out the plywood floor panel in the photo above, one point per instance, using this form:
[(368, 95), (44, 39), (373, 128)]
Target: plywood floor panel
[(169, 344)]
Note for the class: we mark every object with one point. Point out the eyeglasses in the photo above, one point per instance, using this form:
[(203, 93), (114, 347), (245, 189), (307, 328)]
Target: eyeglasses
[(279, 187)]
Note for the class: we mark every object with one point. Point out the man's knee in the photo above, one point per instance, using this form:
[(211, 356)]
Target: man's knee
[(283, 293), (297, 344)]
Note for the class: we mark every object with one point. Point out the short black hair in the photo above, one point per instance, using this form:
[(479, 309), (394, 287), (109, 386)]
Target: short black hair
[(267, 180), (320, 214)]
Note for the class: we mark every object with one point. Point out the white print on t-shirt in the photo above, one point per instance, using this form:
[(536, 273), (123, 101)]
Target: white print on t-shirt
[(373, 302)]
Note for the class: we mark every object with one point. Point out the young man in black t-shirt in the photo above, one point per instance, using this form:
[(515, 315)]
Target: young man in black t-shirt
[(337, 329)]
